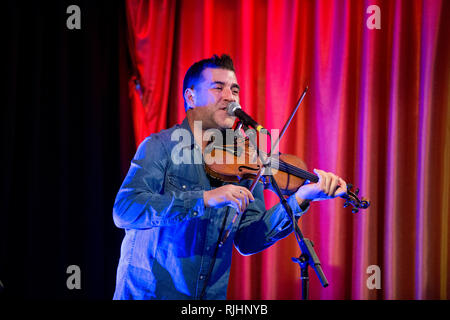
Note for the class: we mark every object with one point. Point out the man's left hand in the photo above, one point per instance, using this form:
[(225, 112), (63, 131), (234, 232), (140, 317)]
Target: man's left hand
[(329, 186)]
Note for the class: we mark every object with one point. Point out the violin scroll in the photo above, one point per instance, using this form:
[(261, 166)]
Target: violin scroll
[(351, 198)]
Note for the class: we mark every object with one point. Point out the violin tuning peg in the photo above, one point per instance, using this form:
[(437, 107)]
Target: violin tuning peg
[(357, 191), (354, 210), (349, 186), (346, 204)]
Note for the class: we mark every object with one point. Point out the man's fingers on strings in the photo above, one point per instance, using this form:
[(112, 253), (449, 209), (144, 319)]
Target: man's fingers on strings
[(326, 183), (342, 189), (334, 186)]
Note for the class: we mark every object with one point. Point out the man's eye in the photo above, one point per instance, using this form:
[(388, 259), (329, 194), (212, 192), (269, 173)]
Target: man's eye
[(236, 92), (218, 88)]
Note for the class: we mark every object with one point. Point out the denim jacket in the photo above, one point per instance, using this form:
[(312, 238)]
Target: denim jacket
[(170, 249)]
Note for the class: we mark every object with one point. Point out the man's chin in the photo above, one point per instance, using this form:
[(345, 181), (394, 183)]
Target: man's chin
[(226, 123)]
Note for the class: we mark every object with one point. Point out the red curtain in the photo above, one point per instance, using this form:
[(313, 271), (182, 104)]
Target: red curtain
[(377, 114)]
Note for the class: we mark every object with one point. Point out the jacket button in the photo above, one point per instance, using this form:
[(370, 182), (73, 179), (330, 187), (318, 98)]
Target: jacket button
[(195, 213)]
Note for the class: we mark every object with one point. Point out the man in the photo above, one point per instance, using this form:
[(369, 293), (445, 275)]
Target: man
[(174, 214)]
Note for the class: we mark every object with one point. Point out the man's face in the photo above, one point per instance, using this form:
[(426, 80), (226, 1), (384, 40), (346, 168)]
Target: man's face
[(213, 93)]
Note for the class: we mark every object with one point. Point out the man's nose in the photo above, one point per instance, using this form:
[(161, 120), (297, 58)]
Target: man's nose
[(228, 95)]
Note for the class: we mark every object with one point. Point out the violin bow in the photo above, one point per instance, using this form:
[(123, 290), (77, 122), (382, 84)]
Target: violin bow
[(288, 122)]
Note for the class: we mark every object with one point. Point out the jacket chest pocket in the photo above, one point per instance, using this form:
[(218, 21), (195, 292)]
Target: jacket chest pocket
[(180, 184)]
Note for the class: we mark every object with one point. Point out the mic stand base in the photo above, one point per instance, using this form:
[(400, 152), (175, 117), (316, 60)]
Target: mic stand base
[(302, 261)]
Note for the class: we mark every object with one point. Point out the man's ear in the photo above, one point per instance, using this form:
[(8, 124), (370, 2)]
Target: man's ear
[(189, 97)]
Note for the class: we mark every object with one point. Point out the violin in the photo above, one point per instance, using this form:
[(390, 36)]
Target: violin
[(240, 160)]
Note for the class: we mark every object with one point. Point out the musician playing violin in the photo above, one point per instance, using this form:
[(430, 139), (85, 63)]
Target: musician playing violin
[(174, 213)]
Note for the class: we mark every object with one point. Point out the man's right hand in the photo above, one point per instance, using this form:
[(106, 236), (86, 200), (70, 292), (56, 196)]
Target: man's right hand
[(229, 195)]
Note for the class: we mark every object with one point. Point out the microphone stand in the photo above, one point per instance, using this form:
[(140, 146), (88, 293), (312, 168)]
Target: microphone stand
[(308, 256)]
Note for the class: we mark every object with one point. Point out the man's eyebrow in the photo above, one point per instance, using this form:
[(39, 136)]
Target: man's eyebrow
[(234, 85)]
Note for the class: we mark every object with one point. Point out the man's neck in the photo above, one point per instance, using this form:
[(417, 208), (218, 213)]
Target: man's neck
[(198, 135)]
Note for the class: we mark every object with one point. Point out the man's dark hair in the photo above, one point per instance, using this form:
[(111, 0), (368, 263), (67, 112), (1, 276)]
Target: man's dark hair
[(194, 73)]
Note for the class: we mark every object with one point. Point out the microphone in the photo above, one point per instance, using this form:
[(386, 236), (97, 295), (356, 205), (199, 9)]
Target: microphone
[(234, 109)]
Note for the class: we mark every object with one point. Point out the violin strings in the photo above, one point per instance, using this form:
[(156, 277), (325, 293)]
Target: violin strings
[(286, 167), (290, 169), (294, 170)]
